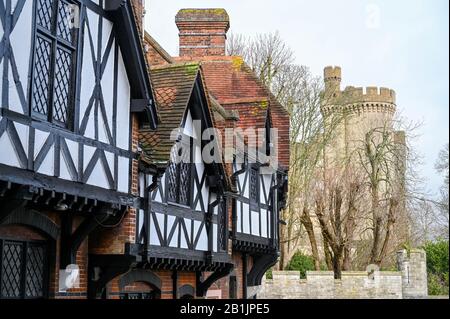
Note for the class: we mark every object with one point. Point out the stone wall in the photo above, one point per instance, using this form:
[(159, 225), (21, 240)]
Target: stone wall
[(414, 273), (409, 282)]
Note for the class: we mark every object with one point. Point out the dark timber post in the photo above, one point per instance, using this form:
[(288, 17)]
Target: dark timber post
[(244, 275), (175, 284)]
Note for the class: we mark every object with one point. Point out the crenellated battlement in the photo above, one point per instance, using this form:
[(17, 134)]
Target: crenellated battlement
[(387, 108), (355, 99), (332, 73), (368, 94)]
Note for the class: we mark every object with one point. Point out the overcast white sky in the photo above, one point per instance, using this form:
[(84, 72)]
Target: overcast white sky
[(400, 44)]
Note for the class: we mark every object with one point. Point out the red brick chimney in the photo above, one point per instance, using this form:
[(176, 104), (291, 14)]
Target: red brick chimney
[(203, 32)]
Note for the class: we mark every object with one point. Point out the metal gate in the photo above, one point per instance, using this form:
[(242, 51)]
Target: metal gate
[(23, 272)]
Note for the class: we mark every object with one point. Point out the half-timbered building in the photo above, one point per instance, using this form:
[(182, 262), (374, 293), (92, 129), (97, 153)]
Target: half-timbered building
[(183, 225), (260, 185), (242, 102), (102, 164), (74, 88), (175, 243)]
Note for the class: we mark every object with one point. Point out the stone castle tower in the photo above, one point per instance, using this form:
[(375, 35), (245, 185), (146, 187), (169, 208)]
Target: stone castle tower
[(362, 109), (364, 112)]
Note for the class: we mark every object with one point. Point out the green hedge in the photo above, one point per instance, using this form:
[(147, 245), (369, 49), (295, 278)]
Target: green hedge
[(302, 263), (437, 267)]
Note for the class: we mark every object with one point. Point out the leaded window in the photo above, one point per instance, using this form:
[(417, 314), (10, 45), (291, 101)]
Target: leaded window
[(253, 188), (223, 226), (52, 90), (179, 174), (22, 269)]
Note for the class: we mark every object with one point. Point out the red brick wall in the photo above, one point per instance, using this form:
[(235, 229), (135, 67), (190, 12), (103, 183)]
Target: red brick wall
[(20, 232), (197, 46), (154, 58), (138, 8), (187, 278), (281, 121), (138, 287), (114, 290), (112, 240), (224, 283), (184, 278), (202, 31)]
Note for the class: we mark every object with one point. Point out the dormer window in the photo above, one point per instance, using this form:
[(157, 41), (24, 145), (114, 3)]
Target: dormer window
[(55, 42)]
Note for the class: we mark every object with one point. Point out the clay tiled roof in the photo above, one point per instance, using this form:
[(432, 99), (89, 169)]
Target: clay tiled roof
[(236, 88), (172, 85)]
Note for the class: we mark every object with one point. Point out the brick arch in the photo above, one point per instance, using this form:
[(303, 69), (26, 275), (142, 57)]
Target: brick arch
[(186, 290), (140, 275), (32, 218)]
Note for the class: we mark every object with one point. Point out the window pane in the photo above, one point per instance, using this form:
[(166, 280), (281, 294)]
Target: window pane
[(11, 270), (35, 271), (44, 13), (185, 177), (63, 26), (172, 182), (41, 75), (178, 175), (253, 185), (62, 85)]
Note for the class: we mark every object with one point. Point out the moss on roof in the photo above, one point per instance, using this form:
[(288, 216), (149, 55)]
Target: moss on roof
[(173, 85)]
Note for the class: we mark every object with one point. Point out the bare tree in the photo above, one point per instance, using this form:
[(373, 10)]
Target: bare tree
[(423, 222), (382, 162), (336, 201), (389, 164), (267, 54), (442, 216), (429, 217), (301, 94)]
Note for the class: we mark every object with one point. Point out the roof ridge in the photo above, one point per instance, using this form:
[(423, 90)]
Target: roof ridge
[(174, 65)]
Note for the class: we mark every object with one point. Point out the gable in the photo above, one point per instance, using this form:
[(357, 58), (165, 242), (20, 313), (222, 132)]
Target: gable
[(238, 89), (182, 99), (173, 86)]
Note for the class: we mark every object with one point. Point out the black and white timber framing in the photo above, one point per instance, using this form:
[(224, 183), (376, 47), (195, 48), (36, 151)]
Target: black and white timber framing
[(102, 87), (71, 74), (183, 222), (261, 192), (67, 95)]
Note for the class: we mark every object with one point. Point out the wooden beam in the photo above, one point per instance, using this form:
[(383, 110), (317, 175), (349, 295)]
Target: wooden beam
[(204, 285)]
